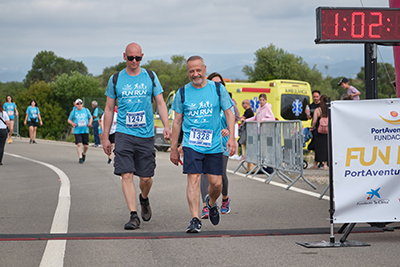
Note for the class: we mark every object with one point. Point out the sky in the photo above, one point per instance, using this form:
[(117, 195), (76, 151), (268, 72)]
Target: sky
[(102, 28)]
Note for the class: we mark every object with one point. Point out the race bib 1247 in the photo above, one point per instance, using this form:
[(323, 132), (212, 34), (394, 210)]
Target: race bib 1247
[(135, 119)]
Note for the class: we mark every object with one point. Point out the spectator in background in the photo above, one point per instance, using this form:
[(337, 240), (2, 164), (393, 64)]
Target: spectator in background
[(33, 114), (248, 112), (4, 121), (264, 112), (81, 119), (97, 112), (11, 108), (321, 137), (351, 90), (316, 95)]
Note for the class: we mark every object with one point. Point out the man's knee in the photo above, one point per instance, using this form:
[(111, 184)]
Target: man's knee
[(146, 180), (215, 180)]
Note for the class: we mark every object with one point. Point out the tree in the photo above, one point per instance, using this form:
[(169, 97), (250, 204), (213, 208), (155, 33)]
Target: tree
[(11, 88), (385, 77), (172, 75), (107, 72), (68, 87), (54, 118), (46, 66), (273, 63)]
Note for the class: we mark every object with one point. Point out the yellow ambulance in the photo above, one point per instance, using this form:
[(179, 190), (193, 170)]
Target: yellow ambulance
[(288, 99)]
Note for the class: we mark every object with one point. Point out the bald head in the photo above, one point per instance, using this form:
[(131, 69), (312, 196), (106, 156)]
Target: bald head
[(246, 103), (133, 48), (133, 51)]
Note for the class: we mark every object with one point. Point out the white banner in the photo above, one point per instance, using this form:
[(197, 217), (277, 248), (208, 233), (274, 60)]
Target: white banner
[(366, 160)]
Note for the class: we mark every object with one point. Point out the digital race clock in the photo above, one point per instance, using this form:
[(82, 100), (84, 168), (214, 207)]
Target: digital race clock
[(358, 25)]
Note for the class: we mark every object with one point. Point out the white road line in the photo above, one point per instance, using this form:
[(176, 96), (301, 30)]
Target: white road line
[(55, 249), (302, 191)]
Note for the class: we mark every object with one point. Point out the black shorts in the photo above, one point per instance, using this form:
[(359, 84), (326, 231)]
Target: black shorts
[(33, 124), (82, 138), (111, 137), (195, 162), (134, 155)]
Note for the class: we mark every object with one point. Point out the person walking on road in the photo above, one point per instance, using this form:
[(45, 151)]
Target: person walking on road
[(81, 119), (134, 137), (33, 114), (204, 184), (111, 135), (11, 108), (197, 105), (97, 112), (4, 121)]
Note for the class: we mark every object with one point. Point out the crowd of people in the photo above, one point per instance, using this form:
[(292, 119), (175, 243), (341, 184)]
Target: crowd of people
[(206, 115)]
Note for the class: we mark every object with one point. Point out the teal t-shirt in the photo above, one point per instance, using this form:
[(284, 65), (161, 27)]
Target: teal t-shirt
[(135, 110), (10, 109), (81, 118), (96, 114), (201, 116), (33, 113)]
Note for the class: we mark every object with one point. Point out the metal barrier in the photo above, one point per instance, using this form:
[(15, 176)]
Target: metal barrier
[(279, 145), (16, 127), (253, 149)]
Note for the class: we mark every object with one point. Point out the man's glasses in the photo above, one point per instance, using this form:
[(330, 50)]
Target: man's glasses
[(137, 58), (79, 104)]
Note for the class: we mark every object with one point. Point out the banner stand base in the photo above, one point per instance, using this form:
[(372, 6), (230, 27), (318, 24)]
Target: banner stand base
[(337, 244)]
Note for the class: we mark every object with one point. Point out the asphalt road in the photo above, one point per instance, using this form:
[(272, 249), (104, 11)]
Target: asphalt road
[(82, 224)]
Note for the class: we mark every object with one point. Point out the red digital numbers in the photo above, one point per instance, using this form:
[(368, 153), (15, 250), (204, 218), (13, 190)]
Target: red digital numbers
[(380, 25)]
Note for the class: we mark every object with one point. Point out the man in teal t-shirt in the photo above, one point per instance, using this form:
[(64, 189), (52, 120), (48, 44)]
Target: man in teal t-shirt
[(81, 119), (199, 111), (134, 136)]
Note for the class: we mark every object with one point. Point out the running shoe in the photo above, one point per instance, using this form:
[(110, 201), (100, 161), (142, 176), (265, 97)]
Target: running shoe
[(225, 209), (80, 160), (195, 226), (34, 142), (9, 140), (109, 161), (30, 141), (204, 213), (213, 216), (83, 157), (146, 210), (133, 223)]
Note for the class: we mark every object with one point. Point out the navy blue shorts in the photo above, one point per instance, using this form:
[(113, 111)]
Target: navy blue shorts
[(195, 162), (134, 155)]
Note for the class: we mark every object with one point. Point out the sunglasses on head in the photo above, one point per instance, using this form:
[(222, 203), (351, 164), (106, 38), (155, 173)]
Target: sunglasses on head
[(137, 58)]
